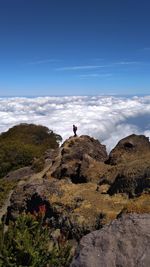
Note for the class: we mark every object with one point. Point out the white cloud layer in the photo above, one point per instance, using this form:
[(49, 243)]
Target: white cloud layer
[(106, 118)]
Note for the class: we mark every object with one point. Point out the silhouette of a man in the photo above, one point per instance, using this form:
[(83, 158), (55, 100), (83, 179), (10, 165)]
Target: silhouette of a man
[(75, 130)]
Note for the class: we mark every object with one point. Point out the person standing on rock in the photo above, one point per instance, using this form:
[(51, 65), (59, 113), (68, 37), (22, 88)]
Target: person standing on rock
[(75, 130)]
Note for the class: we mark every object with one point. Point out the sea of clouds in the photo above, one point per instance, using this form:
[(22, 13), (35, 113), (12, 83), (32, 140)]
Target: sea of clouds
[(107, 118)]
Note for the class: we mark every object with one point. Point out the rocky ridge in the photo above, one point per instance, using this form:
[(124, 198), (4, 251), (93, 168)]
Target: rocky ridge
[(83, 188), (78, 156)]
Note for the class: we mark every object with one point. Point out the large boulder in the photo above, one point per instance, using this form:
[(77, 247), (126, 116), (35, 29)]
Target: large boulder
[(130, 161), (78, 156), (129, 148), (123, 243), (132, 179)]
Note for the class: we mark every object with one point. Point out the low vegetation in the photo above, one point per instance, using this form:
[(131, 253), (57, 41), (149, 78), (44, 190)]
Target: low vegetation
[(138, 205), (23, 143), (28, 242)]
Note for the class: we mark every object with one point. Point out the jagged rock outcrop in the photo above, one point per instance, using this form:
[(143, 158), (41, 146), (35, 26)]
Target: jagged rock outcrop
[(70, 201), (132, 183), (79, 155), (131, 161), (123, 243), (129, 148)]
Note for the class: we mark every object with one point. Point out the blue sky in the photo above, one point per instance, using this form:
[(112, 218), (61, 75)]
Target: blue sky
[(78, 47)]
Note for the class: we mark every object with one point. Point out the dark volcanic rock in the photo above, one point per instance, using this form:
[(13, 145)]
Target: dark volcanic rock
[(123, 243), (27, 197), (133, 186), (77, 155)]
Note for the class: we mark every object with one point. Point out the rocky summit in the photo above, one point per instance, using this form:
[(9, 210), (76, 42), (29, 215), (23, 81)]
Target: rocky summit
[(77, 157), (83, 189)]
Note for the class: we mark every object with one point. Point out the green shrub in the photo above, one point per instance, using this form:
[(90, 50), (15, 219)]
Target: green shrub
[(28, 242), (22, 143)]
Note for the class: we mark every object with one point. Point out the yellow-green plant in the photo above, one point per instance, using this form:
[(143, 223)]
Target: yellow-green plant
[(28, 242)]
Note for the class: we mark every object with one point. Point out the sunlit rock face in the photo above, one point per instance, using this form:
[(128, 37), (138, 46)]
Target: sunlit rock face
[(78, 155), (125, 242), (129, 148), (131, 156)]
